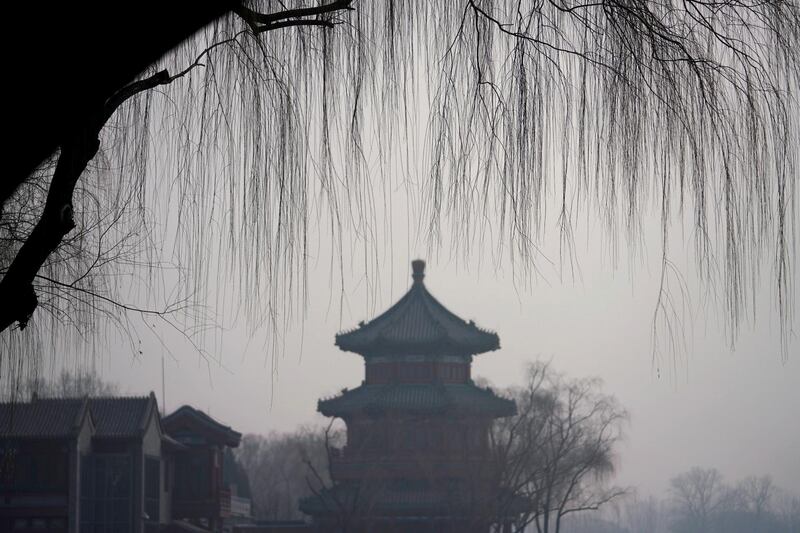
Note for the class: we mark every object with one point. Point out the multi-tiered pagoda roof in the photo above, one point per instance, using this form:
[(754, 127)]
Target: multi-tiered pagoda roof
[(417, 328), (418, 426), (418, 325), (417, 398)]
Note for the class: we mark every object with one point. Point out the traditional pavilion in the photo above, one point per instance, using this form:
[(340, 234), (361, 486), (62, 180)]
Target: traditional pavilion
[(417, 453)]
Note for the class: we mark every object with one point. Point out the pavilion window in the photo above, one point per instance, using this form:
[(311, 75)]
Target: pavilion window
[(452, 372), (378, 372), (415, 372)]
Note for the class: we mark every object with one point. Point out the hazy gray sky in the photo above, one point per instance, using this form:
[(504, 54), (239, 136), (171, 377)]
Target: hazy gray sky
[(708, 406), (734, 410)]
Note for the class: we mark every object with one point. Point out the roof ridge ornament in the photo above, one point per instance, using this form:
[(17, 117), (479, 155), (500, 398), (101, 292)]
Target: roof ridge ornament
[(418, 267), (417, 324)]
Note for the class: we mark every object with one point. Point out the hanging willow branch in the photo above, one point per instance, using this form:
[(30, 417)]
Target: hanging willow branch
[(613, 108)]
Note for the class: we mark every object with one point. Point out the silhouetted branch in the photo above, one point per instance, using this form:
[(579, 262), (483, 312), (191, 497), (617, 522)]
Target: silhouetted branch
[(262, 22), (56, 220)]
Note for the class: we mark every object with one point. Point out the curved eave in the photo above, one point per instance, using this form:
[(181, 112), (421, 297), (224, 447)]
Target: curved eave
[(444, 346), (418, 399), (197, 420), (426, 327)]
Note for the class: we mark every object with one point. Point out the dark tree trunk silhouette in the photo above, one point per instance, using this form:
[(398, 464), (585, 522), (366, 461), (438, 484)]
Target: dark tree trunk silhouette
[(76, 114), (685, 109), (69, 58)]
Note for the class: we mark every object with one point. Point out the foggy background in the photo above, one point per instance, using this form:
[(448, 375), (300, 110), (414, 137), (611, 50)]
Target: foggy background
[(707, 405), (692, 399), (588, 301)]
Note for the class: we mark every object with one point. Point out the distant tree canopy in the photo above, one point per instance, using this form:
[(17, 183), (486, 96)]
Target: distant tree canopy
[(733, 514), (278, 471), (557, 456), (554, 458), (232, 126), (704, 503), (236, 475), (65, 385)]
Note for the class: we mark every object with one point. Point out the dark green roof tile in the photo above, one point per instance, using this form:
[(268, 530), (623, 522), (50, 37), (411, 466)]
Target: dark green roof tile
[(418, 325), (114, 417), (427, 398)]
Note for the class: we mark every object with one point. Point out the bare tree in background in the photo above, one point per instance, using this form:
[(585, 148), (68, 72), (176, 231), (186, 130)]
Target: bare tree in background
[(66, 385), (787, 508), (263, 121), (287, 467), (704, 503), (644, 515), (632, 515), (700, 496), (556, 455), (277, 466), (756, 494)]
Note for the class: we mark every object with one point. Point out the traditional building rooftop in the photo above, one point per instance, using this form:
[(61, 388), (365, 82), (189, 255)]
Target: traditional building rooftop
[(122, 417), (184, 422), (43, 418), (118, 417), (418, 325), (418, 398)]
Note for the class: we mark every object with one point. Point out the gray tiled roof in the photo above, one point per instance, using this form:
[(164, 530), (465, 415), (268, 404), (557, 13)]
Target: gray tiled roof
[(418, 325), (188, 414), (41, 419), (426, 398), (122, 417)]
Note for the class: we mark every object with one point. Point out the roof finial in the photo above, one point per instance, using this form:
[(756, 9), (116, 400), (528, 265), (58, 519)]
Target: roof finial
[(418, 266)]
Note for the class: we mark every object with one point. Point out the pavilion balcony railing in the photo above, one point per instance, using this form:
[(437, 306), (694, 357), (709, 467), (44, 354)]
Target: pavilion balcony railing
[(411, 465)]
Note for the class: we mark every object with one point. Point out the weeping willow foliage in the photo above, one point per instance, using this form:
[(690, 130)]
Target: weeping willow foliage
[(607, 110)]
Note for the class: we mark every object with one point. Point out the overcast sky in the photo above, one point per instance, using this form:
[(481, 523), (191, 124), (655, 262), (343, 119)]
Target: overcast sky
[(736, 410), (711, 406)]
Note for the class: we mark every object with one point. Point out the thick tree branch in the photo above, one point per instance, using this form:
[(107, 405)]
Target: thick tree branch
[(57, 217), (82, 145), (262, 22)]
